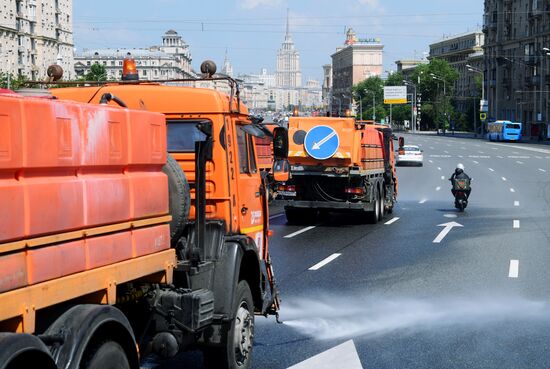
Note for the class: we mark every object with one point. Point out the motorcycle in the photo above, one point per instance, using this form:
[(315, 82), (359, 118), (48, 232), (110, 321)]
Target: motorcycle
[(460, 186)]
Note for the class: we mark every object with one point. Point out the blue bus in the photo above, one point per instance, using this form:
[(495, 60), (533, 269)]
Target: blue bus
[(504, 130)]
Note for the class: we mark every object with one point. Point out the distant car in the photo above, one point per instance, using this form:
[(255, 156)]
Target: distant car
[(410, 155)]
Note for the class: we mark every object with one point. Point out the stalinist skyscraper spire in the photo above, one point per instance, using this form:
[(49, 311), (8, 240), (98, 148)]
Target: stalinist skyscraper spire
[(288, 73)]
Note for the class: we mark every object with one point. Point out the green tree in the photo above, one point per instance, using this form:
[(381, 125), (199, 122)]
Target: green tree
[(97, 73), (16, 82), (364, 92)]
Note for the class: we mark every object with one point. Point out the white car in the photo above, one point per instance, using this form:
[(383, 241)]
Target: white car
[(410, 154)]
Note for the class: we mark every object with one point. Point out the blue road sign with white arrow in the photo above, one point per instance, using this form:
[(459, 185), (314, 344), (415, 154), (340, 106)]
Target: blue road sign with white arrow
[(321, 142)]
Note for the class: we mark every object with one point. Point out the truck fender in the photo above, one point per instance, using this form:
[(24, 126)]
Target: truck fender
[(238, 260), (80, 327), (21, 350)]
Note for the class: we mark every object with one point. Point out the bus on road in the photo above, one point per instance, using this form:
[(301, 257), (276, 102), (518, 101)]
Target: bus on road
[(504, 130)]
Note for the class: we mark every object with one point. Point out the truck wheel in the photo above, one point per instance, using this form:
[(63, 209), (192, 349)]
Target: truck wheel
[(107, 355), (381, 212), (237, 350), (300, 216), (374, 215), (179, 198)]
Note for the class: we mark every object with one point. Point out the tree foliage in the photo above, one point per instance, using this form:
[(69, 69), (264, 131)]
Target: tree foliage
[(97, 72), (16, 82)]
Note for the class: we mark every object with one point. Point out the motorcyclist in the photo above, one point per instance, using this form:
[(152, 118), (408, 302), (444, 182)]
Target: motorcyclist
[(460, 174)]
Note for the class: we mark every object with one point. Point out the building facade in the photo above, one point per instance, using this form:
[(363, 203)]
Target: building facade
[(517, 64), (327, 86), (35, 34), (460, 51), (171, 60), (356, 61)]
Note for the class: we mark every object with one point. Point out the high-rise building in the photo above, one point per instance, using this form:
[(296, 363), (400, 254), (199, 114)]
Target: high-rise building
[(227, 68), (288, 73), (517, 65), (357, 60), (35, 34)]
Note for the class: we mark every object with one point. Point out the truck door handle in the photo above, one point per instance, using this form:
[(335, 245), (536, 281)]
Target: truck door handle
[(244, 210)]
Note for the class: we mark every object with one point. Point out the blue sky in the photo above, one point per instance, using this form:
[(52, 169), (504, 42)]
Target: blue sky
[(253, 30)]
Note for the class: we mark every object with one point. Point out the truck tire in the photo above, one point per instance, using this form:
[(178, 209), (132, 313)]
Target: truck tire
[(179, 198), (381, 212), (300, 215), (236, 352), (374, 215), (107, 355)]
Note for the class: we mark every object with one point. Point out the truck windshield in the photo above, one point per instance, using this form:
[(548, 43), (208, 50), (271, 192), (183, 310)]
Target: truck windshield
[(182, 135)]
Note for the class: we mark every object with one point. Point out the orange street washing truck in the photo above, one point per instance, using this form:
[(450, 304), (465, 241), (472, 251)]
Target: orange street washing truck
[(338, 164), (113, 251)]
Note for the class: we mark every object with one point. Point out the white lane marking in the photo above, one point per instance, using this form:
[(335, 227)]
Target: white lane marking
[(445, 151), (500, 157), (447, 229), (442, 177), (495, 148), (516, 223), (422, 201), (438, 168), (460, 156), (504, 179), (542, 170), (392, 221), (481, 152), (491, 169), (477, 162), (512, 190), (518, 157), (343, 356), (516, 203), (538, 157), (519, 162), (299, 232), (276, 216), (450, 216), (432, 148), (431, 161), (542, 151), (324, 262), (438, 188), (513, 271)]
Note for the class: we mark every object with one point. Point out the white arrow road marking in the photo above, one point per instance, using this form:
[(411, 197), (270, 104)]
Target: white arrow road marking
[(317, 145), (516, 223), (513, 271), (324, 262), (299, 232), (447, 229), (392, 221), (343, 356)]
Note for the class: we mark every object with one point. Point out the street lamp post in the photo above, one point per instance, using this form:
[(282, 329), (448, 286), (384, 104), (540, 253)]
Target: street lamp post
[(444, 96), (373, 104), (413, 103), (360, 106), (476, 70)]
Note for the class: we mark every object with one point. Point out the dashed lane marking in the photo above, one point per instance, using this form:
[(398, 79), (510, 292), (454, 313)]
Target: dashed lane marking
[(438, 188), (431, 161), (477, 162), (299, 232), (519, 162), (491, 169), (324, 262), (504, 179), (438, 168), (516, 203), (392, 221), (422, 201), (516, 223), (512, 190), (542, 170), (513, 271)]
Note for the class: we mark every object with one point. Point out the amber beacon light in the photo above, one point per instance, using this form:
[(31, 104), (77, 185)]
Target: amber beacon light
[(129, 70)]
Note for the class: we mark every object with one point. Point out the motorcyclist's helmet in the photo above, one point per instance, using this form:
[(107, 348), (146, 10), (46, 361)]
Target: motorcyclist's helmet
[(459, 168)]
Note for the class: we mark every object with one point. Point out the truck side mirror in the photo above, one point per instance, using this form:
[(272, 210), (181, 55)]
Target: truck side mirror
[(281, 170), (280, 143), (401, 141)]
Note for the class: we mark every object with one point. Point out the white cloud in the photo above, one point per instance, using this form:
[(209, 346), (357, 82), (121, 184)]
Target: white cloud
[(251, 4)]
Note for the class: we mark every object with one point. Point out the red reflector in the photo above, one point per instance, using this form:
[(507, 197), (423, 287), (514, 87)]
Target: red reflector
[(355, 190), (291, 188), (270, 233)]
